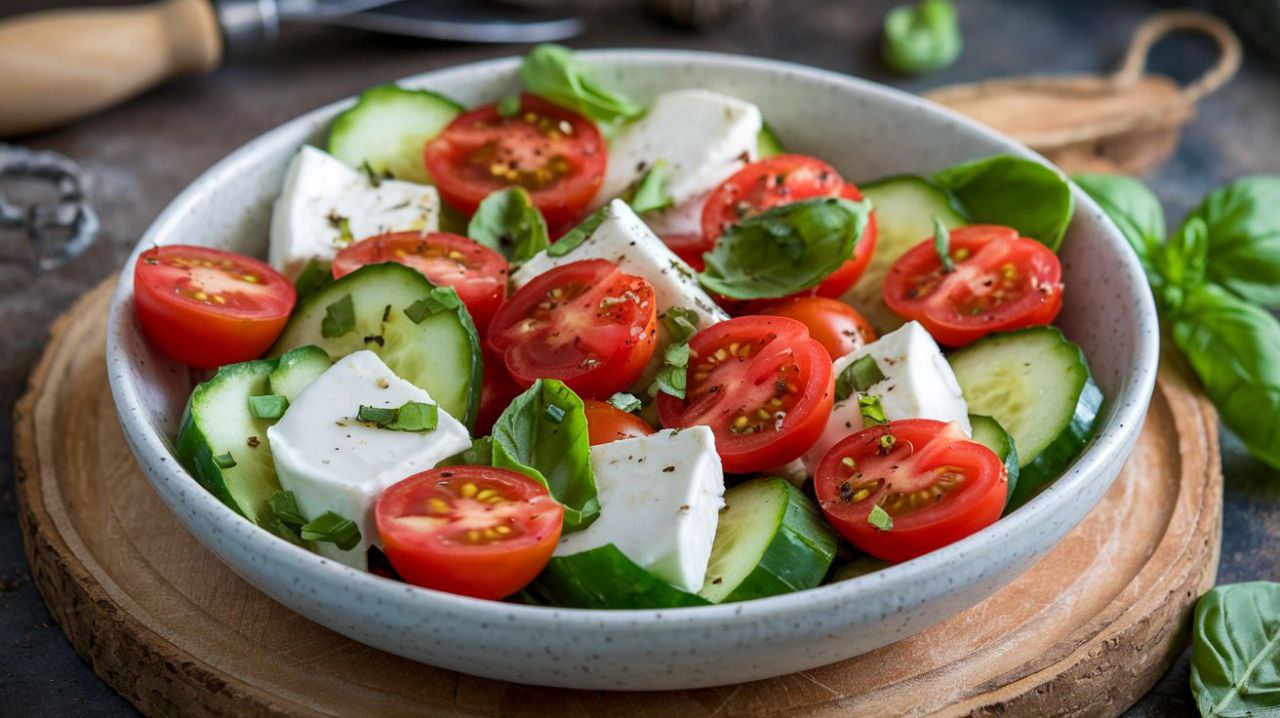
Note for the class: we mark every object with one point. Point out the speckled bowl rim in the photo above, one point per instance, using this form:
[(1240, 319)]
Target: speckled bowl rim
[(1112, 443)]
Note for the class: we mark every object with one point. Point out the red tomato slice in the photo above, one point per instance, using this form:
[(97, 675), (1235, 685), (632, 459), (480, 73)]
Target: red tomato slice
[(497, 390), (838, 327), (777, 181), (478, 273), (206, 307), (606, 423), (472, 530), (936, 485), (554, 153), (1001, 282), (762, 385), (585, 323)]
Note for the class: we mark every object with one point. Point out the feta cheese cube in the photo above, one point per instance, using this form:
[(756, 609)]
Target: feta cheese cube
[(333, 462), (322, 193), (660, 500)]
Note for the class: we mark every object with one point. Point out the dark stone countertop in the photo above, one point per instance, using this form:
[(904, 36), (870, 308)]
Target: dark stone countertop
[(140, 155)]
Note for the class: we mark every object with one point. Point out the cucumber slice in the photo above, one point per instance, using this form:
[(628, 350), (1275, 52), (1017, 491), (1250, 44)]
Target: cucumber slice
[(441, 353), (861, 565), (989, 433), (296, 369), (767, 143), (603, 578), (905, 207), (388, 127), (1038, 386), (226, 449), (770, 540)]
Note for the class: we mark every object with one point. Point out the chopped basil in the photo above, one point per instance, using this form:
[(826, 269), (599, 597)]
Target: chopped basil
[(284, 505), (625, 402), (672, 376), (344, 231), (681, 323), (650, 192), (509, 106), (871, 408), (554, 414), (375, 179), (332, 528), (377, 414), (339, 318), (942, 245), (880, 518), (579, 234), (861, 375), (551, 71), (268, 406), (439, 299), (224, 461), (314, 275), (412, 416), (507, 222)]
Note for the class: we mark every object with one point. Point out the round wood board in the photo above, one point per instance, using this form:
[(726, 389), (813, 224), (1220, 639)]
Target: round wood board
[(1086, 631)]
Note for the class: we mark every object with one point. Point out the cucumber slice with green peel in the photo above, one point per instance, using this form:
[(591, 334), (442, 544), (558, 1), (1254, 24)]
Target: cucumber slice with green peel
[(226, 448), (858, 566), (1037, 385), (388, 127), (904, 207), (296, 369), (603, 577), (375, 308), (767, 143), (770, 540), (989, 433)]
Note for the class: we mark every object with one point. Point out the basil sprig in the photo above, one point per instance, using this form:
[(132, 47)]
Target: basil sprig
[(1204, 294), (922, 38), (786, 249), (1235, 650), (552, 72), (507, 222), (1032, 198)]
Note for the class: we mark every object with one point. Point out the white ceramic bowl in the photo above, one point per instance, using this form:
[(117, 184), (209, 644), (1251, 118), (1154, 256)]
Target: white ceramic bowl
[(865, 131)]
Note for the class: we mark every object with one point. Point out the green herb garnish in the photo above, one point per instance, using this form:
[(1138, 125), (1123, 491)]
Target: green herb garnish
[(224, 461), (339, 318), (625, 402), (579, 234), (860, 375), (411, 416), (552, 71), (438, 299), (871, 408), (507, 222), (380, 415), (942, 245), (880, 518), (649, 193), (332, 528), (284, 505)]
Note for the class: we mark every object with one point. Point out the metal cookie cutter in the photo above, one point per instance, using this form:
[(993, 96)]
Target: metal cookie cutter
[(58, 232)]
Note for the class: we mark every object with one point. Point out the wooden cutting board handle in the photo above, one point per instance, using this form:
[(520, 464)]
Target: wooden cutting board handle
[(61, 65)]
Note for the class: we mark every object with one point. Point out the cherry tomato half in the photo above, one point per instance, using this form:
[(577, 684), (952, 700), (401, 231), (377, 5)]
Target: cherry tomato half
[(838, 327), (606, 422), (497, 390), (935, 484), (762, 385), (478, 273), (1000, 282), (777, 181), (472, 530), (554, 153), (205, 307), (585, 323)]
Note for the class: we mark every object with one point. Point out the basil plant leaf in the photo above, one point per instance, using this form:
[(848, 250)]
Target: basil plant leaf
[(786, 249), (1232, 346), (1134, 209), (507, 222), (1235, 650), (1242, 220), (649, 193), (1180, 263), (922, 38), (1032, 198), (555, 453), (552, 72)]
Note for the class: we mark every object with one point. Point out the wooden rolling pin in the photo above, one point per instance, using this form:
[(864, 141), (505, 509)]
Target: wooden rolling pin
[(60, 65)]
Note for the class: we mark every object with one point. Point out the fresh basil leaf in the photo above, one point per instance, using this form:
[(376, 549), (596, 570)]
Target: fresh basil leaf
[(377, 414), (681, 324), (922, 38), (439, 299), (786, 249), (479, 454), (507, 222), (625, 402), (1235, 650), (579, 234), (284, 505), (313, 276), (415, 416), (552, 72), (650, 193), (880, 518), (942, 245), (339, 318), (556, 454), (1242, 220), (871, 408), (332, 528), (1133, 208), (1015, 192), (1232, 346), (268, 406), (860, 375), (1180, 262)]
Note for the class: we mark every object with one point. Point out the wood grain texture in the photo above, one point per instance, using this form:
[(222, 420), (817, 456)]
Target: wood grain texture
[(1084, 632)]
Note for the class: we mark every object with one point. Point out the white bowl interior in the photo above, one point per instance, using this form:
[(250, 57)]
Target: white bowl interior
[(866, 132)]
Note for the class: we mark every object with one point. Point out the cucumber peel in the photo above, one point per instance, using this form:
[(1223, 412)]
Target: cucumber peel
[(387, 129), (989, 433)]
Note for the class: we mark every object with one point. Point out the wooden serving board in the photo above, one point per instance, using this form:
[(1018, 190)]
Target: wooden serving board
[(1086, 631)]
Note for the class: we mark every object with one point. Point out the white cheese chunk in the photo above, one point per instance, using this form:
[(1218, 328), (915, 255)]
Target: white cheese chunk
[(918, 384), (703, 137), (660, 500), (320, 192), (333, 462), (683, 218)]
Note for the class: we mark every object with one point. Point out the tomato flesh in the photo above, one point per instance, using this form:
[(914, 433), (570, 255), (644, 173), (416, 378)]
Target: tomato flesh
[(477, 273), (497, 390), (606, 423), (472, 530), (935, 484), (586, 323), (205, 307), (1000, 282), (838, 327), (763, 386), (556, 154)]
